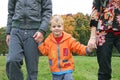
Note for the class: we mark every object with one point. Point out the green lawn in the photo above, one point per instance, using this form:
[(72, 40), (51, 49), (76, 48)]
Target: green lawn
[(85, 68)]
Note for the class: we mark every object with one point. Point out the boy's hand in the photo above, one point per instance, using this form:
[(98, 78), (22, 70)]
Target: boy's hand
[(90, 49)]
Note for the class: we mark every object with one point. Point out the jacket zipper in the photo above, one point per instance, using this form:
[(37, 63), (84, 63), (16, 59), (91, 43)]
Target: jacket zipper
[(25, 11), (58, 48)]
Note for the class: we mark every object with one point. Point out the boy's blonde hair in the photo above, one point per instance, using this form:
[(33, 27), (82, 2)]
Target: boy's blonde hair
[(57, 20)]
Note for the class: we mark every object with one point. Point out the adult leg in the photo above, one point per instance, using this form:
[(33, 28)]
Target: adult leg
[(14, 57), (31, 55), (117, 42), (104, 54)]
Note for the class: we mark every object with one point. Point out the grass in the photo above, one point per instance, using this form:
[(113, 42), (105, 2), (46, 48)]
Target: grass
[(85, 68)]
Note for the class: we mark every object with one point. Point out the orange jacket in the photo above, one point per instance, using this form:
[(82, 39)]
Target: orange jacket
[(60, 55)]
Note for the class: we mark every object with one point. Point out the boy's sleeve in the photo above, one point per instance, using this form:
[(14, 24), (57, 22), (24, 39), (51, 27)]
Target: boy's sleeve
[(94, 17), (43, 47), (77, 47)]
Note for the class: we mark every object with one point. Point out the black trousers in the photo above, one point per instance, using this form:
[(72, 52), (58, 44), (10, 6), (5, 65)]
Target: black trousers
[(104, 54)]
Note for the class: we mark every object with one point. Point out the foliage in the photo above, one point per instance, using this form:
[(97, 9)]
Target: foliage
[(82, 30), (3, 45), (69, 23)]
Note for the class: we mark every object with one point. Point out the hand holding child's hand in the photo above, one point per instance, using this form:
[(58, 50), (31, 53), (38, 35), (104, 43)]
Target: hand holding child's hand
[(38, 36), (91, 44), (90, 48)]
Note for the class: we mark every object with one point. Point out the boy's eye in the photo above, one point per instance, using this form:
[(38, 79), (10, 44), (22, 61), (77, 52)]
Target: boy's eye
[(59, 26), (53, 26)]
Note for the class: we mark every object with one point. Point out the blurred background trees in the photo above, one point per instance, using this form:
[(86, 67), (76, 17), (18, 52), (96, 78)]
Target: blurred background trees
[(75, 24), (3, 45)]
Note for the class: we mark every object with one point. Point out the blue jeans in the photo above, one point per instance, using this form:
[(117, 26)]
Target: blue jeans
[(67, 76), (22, 45), (104, 54)]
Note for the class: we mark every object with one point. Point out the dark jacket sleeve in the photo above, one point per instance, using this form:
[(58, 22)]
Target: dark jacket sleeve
[(11, 8), (46, 14), (94, 17)]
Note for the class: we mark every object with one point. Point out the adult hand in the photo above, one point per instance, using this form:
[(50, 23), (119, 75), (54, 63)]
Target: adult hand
[(38, 36), (7, 39), (92, 43)]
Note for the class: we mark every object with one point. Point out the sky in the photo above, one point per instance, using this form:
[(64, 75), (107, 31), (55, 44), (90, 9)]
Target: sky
[(59, 7)]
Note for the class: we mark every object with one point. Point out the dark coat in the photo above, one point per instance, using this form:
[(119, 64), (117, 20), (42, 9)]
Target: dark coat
[(29, 14)]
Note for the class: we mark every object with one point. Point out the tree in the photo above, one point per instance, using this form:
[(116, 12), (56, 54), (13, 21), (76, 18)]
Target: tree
[(69, 23), (3, 45), (82, 29)]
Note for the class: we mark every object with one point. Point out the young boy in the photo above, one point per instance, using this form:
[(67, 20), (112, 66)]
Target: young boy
[(59, 46)]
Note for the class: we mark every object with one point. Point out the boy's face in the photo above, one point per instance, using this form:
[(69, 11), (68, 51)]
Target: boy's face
[(57, 29)]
